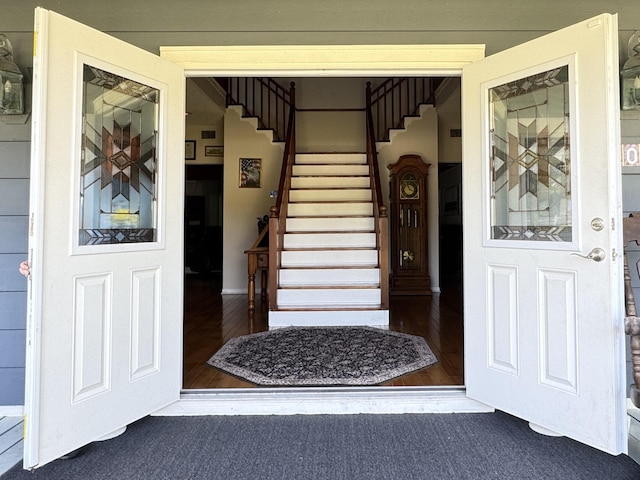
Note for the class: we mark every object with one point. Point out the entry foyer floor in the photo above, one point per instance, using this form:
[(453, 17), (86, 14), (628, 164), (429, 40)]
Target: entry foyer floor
[(211, 319)]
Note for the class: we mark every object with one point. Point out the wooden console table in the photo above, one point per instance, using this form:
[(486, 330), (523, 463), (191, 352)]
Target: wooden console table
[(258, 259)]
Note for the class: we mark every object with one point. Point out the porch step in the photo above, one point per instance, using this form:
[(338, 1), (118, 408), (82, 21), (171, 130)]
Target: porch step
[(328, 258), (296, 277), (329, 240)]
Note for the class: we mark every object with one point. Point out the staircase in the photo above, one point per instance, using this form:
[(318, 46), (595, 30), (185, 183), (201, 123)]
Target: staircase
[(328, 232), (329, 271)]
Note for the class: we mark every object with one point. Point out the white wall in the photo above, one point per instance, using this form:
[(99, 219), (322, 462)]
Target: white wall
[(449, 117), (330, 132), (243, 206), (194, 132), (419, 138)]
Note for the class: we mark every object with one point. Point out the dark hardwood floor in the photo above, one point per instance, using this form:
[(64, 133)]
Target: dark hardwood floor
[(211, 319)]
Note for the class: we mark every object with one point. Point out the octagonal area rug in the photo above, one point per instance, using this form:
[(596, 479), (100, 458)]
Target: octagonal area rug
[(323, 356)]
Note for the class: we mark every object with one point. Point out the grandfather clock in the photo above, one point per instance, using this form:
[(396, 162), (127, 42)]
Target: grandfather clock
[(408, 225)]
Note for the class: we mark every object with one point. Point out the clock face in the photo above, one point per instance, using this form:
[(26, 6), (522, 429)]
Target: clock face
[(408, 189)]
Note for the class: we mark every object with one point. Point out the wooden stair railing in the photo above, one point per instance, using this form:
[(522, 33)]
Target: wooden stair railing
[(631, 233), (397, 98), (379, 209), (279, 211), (265, 99)]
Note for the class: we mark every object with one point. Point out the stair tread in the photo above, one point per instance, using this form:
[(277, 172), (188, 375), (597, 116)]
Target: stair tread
[(330, 267), (333, 307), (322, 248), (341, 202), (328, 232), (324, 266), (336, 286)]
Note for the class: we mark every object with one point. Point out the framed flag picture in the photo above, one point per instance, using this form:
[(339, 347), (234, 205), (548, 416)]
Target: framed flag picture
[(250, 172)]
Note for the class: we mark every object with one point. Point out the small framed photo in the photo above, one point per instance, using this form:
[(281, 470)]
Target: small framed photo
[(250, 172), (189, 149), (213, 151)]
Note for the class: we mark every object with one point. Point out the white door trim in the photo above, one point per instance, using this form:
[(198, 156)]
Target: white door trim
[(324, 61)]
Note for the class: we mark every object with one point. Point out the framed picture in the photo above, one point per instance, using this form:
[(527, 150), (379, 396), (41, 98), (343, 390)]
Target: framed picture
[(213, 151), (189, 149), (250, 172)]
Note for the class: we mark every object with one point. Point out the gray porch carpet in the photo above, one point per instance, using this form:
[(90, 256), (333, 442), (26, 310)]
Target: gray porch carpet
[(328, 447)]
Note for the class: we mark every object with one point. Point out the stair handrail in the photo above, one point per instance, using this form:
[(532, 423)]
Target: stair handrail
[(379, 209), (278, 213), (263, 98), (396, 98)]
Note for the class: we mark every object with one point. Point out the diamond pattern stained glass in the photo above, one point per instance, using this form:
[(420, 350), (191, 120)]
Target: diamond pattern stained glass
[(530, 161), (119, 160)]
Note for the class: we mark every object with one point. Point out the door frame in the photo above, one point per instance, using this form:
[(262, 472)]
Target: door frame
[(324, 61)]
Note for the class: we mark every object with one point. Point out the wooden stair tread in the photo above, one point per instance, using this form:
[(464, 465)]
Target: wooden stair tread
[(330, 267), (330, 232), (361, 286), (324, 249), (329, 308)]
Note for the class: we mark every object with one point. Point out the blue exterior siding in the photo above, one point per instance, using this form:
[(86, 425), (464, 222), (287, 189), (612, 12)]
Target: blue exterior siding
[(14, 209)]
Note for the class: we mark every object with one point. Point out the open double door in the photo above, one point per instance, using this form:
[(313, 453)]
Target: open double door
[(543, 336)]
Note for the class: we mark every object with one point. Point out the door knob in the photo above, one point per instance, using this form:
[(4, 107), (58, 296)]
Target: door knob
[(597, 255)]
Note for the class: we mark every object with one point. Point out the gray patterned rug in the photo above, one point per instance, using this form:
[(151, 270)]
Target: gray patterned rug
[(315, 356)]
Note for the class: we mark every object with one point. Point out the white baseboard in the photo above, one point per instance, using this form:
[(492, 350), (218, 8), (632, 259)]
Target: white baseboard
[(317, 401), (234, 291), (11, 410)]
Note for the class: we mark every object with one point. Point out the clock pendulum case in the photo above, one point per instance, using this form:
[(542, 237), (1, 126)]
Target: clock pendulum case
[(409, 273)]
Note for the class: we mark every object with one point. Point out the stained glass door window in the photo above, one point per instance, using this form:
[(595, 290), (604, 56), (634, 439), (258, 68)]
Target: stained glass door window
[(119, 160), (530, 165)]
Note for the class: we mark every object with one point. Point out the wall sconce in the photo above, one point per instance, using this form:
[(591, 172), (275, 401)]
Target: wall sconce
[(11, 81), (630, 74)]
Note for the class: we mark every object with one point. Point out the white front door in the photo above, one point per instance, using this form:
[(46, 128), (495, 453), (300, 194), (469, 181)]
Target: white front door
[(106, 243), (542, 287)]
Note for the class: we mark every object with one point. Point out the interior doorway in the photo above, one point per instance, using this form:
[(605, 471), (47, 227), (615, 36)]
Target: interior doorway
[(203, 219), (211, 319)]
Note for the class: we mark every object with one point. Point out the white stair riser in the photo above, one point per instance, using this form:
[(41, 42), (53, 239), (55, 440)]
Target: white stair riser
[(329, 240), (372, 318), (329, 170), (339, 195), (361, 224), (324, 158), (330, 209), (329, 258), (325, 277), (332, 296), (330, 182)]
